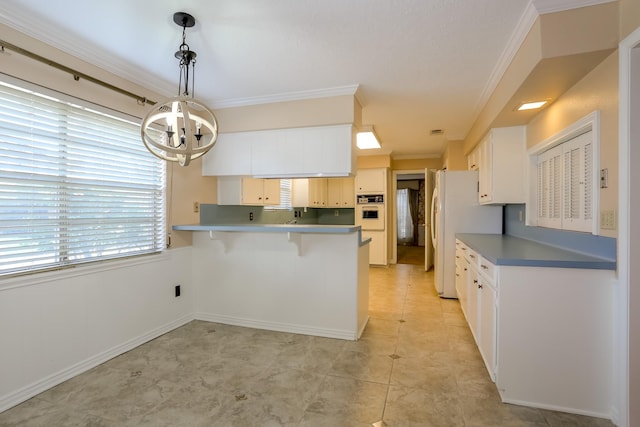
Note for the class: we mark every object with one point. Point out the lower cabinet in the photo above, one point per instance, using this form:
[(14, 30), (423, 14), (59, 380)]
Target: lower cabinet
[(377, 247), (309, 192), (544, 333), (235, 190)]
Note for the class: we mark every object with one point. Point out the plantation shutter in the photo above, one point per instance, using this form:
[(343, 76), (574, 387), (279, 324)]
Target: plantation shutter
[(76, 185)]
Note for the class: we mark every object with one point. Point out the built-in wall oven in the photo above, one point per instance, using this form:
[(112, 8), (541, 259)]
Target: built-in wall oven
[(370, 211)]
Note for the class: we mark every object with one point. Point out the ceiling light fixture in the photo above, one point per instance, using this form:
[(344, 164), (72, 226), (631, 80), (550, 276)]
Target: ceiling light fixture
[(531, 105), (180, 129), (367, 139)]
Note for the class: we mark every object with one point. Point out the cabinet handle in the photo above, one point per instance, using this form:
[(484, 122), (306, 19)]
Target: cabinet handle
[(458, 256), (457, 275), (465, 269), (484, 266), (472, 256), (475, 281), (479, 286)]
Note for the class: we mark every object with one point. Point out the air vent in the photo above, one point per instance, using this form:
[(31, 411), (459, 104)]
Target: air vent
[(437, 131)]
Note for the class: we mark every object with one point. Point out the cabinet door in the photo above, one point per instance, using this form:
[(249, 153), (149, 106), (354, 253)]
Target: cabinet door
[(485, 171), (473, 301), (231, 155), (340, 193), (300, 197), (252, 191), (271, 191), (229, 190), (371, 181), (487, 326), (318, 192)]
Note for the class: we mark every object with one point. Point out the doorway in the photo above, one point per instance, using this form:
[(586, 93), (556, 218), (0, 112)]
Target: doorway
[(410, 218)]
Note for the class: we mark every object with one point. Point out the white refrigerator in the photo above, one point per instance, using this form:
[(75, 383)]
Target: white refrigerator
[(455, 209)]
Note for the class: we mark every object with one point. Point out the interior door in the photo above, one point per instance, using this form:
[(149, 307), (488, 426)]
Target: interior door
[(429, 177)]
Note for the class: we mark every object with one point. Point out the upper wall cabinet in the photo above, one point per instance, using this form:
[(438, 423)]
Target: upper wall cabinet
[(372, 181), (300, 152), (502, 166)]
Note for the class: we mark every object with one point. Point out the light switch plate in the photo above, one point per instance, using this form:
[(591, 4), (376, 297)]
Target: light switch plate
[(608, 219)]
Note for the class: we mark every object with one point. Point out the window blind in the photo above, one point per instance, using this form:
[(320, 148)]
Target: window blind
[(76, 184), (285, 196)]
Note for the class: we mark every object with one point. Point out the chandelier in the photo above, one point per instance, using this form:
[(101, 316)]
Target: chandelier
[(180, 129)]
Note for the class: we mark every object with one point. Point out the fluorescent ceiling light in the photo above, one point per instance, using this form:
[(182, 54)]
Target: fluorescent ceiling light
[(367, 139), (531, 105)]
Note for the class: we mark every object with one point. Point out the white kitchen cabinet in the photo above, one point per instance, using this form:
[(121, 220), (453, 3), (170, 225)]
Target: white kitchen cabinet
[(234, 190), (230, 156), (473, 159), (309, 192), (461, 276), (502, 159), (371, 181), (279, 153), (544, 333), (340, 193), (486, 302)]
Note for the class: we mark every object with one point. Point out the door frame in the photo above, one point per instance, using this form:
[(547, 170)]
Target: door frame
[(394, 208), (627, 300)]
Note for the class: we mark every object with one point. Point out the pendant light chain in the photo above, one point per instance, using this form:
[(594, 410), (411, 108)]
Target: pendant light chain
[(190, 128)]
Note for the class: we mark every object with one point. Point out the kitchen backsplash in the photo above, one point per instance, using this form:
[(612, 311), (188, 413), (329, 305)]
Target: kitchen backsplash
[(235, 214), (586, 243)]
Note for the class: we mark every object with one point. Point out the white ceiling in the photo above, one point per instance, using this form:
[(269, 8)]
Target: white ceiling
[(417, 65)]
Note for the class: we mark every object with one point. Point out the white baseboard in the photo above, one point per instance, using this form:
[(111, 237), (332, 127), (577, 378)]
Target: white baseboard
[(557, 408), (27, 392), (277, 326)]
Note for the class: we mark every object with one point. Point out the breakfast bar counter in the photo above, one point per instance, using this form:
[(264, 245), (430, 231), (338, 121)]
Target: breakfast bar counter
[(299, 278)]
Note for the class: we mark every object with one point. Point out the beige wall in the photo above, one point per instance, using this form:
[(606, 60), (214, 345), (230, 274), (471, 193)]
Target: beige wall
[(597, 91), (629, 17), (370, 162), (454, 158), (416, 164)]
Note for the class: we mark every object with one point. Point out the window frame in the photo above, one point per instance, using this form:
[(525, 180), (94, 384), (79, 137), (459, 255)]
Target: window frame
[(590, 122), (71, 107)]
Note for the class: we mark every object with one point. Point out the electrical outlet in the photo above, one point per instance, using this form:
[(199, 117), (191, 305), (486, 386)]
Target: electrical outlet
[(336, 212), (520, 215), (177, 291), (250, 216), (196, 207)]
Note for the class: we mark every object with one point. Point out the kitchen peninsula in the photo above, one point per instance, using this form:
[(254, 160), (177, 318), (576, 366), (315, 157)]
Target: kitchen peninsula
[(300, 278)]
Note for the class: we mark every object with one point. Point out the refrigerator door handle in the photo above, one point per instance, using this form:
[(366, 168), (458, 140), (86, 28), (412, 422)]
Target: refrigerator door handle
[(434, 198)]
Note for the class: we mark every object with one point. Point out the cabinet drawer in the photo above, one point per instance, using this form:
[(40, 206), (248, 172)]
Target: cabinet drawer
[(472, 256), (487, 268)]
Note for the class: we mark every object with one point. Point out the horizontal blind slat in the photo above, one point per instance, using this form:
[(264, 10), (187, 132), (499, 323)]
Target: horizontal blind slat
[(76, 185)]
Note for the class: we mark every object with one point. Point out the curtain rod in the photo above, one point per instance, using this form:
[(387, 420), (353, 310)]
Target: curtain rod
[(77, 75)]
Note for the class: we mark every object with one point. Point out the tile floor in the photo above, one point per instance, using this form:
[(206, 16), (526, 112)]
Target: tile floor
[(415, 365)]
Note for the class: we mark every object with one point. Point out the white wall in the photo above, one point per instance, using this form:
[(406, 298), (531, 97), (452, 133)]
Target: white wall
[(56, 325)]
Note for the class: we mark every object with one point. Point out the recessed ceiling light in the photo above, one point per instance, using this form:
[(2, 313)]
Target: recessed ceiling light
[(531, 105), (366, 139)]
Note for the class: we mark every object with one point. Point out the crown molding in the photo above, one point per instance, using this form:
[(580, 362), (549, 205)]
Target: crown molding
[(287, 96), (551, 6)]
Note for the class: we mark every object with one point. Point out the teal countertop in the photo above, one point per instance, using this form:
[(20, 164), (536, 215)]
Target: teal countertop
[(271, 228), (502, 249), (277, 228)]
